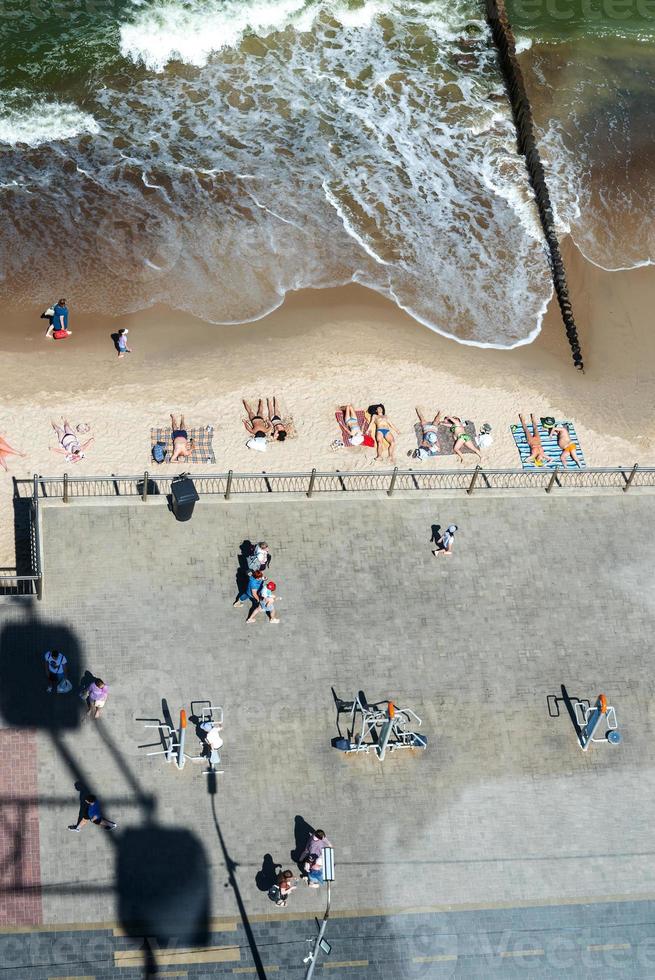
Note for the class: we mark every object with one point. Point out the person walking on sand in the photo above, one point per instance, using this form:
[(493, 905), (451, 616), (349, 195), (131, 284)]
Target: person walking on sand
[(6, 450), (183, 447), (445, 542), (537, 453), (267, 599), (90, 811), (123, 349), (56, 669), (59, 319), (565, 443), (461, 437), (96, 697)]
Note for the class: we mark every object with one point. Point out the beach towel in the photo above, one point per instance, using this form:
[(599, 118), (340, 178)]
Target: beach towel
[(445, 438), (551, 448), (203, 451), (345, 435)]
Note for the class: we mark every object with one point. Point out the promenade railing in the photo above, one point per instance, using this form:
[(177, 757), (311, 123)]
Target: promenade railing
[(26, 586), (231, 484)]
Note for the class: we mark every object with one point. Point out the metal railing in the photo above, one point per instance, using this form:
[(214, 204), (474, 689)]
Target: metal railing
[(27, 586), (233, 484)]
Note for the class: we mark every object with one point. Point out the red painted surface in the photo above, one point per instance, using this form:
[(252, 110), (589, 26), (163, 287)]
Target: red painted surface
[(20, 864)]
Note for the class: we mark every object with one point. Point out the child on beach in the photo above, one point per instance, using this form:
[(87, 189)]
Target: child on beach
[(123, 349)]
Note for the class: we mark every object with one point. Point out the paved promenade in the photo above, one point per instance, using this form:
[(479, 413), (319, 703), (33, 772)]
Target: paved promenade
[(502, 813)]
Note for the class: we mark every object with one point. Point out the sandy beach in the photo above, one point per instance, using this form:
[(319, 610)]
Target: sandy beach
[(320, 349)]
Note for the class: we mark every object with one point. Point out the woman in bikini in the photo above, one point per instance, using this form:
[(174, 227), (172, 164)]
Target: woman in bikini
[(182, 445), (279, 431), (381, 429), (69, 444), (256, 424), (565, 444), (429, 433), (6, 450), (352, 426), (461, 437)]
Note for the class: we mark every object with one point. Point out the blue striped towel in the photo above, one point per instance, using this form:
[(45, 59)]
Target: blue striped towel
[(551, 448)]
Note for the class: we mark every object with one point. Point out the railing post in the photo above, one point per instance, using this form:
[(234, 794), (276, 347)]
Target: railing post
[(392, 484), (474, 479), (228, 488), (551, 482), (312, 480), (144, 494), (65, 497), (631, 477)]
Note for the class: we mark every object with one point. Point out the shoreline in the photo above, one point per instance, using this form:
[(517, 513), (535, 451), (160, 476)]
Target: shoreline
[(320, 349)]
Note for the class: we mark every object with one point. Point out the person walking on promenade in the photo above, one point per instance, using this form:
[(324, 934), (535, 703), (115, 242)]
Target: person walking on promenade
[(260, 558), (315, 844), (445, 542), (96, 697), (267, 599), (255, 583), (90, 811), (285, 884), (56, 669), (59, 319)]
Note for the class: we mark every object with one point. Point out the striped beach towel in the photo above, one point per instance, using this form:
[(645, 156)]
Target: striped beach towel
[(202, 437), (551, 448), (363, 424), (445, 438)]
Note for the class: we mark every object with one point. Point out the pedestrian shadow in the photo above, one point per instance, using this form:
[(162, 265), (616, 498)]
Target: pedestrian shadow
[(245, 549), (436, 534), (302, 831), (267, 876)]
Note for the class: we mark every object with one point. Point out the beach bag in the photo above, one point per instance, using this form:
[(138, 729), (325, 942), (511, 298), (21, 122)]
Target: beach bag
[(159, 452), (64, 687), (49, 312), (59, 334)]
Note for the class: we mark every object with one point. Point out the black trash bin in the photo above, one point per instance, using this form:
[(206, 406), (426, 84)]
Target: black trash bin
[(183, 498)]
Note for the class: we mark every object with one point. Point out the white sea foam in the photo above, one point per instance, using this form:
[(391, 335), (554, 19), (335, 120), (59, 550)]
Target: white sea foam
[(31, 122)]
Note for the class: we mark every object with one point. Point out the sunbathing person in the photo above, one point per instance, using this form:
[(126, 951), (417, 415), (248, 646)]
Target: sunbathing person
[(429, 433), (279, 431), (69, 444), (537, 454), (256, 424), (6, 450), (381, 429), (182, 445), (353, 427), (461, 437), (565, 444)]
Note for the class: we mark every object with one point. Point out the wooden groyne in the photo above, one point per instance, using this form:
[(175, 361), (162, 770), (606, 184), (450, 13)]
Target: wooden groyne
[(503, 36)]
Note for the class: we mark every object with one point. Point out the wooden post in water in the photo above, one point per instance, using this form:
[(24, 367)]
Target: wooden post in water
[(501, 31)]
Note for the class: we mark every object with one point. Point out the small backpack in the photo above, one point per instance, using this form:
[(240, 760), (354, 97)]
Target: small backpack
[(274, 893), (159, 452)]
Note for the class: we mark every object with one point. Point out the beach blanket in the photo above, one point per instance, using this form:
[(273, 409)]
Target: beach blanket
[(203, 451), (551, 448), (363, 424), (445, 438)]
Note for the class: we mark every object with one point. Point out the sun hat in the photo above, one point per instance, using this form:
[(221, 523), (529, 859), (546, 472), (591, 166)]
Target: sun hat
[(357, 440), (452, 528), (369, 440), (271, 586)]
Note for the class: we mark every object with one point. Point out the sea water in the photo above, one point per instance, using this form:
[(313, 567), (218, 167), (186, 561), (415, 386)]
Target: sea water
[(215, 154)]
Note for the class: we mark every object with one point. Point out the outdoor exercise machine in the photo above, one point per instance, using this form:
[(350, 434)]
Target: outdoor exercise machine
[(592, 723), (381, 726), (599, 720), (208, 719)]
